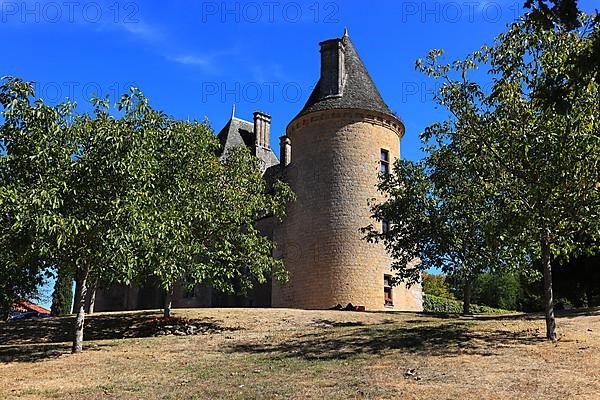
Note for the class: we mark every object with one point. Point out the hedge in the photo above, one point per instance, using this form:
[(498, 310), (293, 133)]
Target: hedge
[(440, 305)]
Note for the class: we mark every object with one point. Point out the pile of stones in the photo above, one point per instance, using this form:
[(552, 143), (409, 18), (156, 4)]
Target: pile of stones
[(177, 327)]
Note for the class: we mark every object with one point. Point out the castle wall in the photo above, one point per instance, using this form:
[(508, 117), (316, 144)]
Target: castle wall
[(334, 173)]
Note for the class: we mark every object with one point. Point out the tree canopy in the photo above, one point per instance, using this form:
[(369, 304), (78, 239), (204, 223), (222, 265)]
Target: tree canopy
[(122, 198), (514, 168)]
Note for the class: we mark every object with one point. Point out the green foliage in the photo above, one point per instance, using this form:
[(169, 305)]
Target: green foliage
[(436, 285), (62, 296), (505, 290), (440, 212), (531, 143), (498, 290), (441, 305), (18, 280), (122, 198), (197, 213)]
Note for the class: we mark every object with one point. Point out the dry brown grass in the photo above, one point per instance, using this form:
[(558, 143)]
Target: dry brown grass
[(294, 354)]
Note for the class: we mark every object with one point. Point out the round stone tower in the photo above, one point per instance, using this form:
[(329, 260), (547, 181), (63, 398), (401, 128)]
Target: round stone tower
[(334, 150)]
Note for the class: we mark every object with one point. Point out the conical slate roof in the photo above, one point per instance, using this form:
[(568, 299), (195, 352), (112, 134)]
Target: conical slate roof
[(358, 90)]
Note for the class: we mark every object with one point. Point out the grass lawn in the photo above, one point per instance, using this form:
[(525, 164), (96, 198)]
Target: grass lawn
[(295, 354)]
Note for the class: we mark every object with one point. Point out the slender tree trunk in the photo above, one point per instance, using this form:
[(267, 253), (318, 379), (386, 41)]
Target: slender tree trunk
[(467, 291), (168, 300), (92, 300), (81, 288), (548, 297)]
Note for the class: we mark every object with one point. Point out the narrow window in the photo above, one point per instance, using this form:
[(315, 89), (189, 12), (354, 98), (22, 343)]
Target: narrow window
[(387, 291), (385, 226), (384, 161)]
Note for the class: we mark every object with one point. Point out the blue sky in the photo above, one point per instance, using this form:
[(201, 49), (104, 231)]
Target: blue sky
[(195, 59)]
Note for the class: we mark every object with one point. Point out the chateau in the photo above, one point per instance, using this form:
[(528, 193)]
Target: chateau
[(331, 156)]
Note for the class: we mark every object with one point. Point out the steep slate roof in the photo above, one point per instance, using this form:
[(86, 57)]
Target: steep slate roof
[(239, 132), (236, 132), (358, 91)]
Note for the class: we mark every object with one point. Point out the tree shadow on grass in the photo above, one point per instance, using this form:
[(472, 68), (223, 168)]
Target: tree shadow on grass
[(577, 312), (37, 339), (445, 339), (59, 329), (327, 323), (42, 351)]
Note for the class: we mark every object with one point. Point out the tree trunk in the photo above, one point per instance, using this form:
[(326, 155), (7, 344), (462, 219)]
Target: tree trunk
[(548, 297), (168, 300), (81, 288), (92, 299), (467, 291)]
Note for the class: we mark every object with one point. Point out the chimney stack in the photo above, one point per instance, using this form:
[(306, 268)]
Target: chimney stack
[(262, 129), (332, 67), (285, 150)]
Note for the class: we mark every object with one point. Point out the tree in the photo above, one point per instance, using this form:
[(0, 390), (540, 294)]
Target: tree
[(436, 285), (117, 199), (62, 296), (65, 175), (199, 212), (578, 280), (20, 274), (25, 162), (537, 159), (439, 215), (498, 290)]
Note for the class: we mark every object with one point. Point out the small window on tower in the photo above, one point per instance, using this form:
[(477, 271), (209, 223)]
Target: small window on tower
[(385, 226), (384, 161), (387, 291)]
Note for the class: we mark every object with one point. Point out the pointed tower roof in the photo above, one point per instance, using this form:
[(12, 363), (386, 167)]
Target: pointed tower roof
[(357, 88)]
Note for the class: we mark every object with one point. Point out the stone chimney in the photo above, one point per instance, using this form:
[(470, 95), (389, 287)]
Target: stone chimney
[(262, 129), (285, 151), (332, 68)]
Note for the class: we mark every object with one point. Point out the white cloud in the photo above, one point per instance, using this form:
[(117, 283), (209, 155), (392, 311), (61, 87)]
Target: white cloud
[(207, 61), (142, 30), (191, 60)]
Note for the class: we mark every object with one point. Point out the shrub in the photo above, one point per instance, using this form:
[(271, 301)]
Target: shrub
[(440, 305)]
